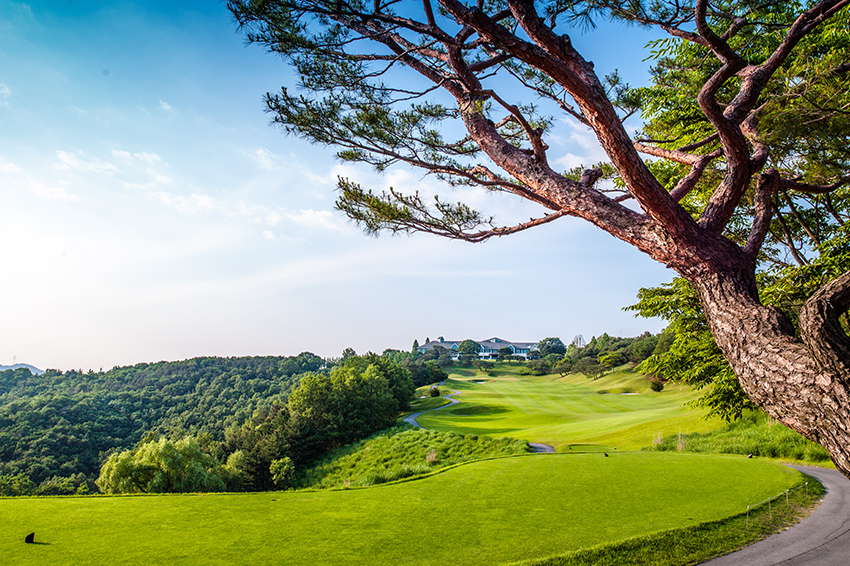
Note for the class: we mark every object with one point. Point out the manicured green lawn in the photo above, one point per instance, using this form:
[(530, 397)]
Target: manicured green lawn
[(618, 410), (487, 512)]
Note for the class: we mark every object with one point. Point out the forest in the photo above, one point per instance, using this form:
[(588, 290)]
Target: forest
[(59, 428)]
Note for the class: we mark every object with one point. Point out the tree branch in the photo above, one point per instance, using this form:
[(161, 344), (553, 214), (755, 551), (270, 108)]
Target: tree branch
[(765, 186), (820, 326), (789, 241), (814, 189), (802, 221), (687, 183), (507, 230), (555, 56), (717, 44)]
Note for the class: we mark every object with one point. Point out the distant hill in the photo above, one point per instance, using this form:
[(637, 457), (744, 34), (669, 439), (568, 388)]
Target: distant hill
[(66, 423), (34, 370)]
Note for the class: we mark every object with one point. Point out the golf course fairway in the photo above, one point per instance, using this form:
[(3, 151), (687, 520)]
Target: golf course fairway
[(618, 410), (482, 513)]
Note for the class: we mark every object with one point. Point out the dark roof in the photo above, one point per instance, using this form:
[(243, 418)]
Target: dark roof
[(494, 343)]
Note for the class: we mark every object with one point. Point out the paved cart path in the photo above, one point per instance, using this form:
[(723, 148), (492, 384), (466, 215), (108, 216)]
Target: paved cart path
[(821, 539), (411, 419)]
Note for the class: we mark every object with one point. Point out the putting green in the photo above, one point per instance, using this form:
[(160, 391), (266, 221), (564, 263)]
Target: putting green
[(619, 410), (486, 512)]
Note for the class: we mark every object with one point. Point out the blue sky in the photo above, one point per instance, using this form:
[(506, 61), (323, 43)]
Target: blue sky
[(149, 212)]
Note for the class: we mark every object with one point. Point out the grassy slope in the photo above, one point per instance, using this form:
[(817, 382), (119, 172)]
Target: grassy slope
[(757, 434), (399, 453), (487, 512), (567, 411)]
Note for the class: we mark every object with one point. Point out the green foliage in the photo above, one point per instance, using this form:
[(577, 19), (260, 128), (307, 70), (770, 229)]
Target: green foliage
[(162, 466), (612, 359), (790, 287), (589, 366), (434, 392), (469, 347), (424, 372), (20, 484), (360, 396), (551, 346), (754, 433), (401, 453), (693, 357), (283, 472), (535, 367), (62, 424)]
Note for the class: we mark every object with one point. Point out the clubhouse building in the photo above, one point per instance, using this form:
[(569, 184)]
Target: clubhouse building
[(489, 348)]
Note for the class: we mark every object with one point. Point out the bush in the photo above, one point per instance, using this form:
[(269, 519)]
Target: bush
[(435, 392), (656, 384)]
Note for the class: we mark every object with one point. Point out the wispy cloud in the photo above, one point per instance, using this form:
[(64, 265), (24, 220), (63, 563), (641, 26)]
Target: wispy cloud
[(151, 161), (164, 105), (149, 158), (192, 203), (53, 192), (8, 167), (589, 149), (324, 219), (5, 91), (68, 160), (265, 159)]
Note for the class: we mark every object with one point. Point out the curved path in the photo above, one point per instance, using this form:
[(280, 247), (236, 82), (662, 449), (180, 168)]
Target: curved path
[(411, 419), (821, 539)]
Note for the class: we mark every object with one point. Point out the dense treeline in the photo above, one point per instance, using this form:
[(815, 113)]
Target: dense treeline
[(358, 397), (57, 428), (591, 358)]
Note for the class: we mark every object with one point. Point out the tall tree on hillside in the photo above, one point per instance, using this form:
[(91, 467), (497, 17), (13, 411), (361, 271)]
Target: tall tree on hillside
[(469, 347), (705, 205), (551, 346)]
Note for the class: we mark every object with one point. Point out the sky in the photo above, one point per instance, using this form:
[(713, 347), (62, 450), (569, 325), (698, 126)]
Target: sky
[(149, 211)]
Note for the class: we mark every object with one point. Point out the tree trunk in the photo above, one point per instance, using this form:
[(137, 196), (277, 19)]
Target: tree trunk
[(777, 371)]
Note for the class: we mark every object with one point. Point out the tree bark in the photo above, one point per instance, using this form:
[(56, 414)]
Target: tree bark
[(780, 373)]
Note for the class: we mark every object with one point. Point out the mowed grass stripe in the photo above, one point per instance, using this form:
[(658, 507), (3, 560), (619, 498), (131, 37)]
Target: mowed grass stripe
[(487, 512), (571, 410)]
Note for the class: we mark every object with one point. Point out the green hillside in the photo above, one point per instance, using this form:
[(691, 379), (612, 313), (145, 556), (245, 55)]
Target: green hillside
[(617, 410)]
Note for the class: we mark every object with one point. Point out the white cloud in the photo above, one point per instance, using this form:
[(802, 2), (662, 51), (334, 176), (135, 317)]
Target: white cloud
[(164, 105), (191, 204), (317, 219), (4, 90), (265, 159), (149, 158), (268, 234), (8, 167), (53, 193), (584, 148), (70, 161)]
